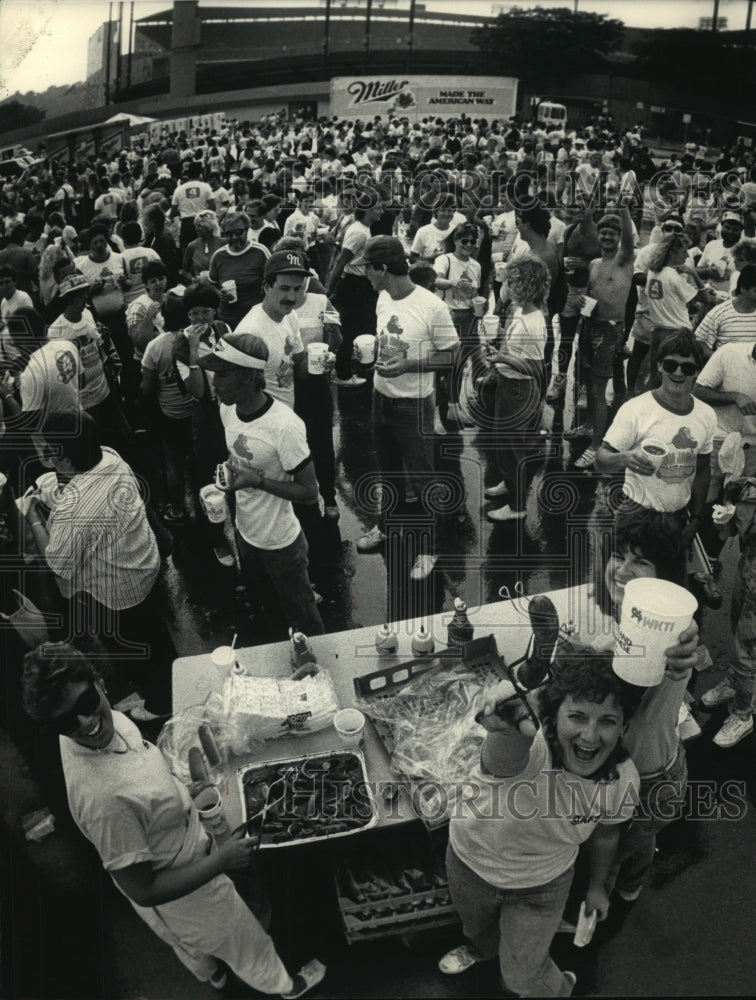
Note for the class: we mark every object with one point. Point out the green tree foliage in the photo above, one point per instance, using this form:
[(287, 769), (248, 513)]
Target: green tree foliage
[(14, 114), (547, 44)]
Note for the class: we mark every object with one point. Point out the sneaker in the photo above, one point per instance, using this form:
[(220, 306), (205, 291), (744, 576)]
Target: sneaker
[(582, 400), (372, 540), (307, 977), (687, 726), (218, 978), (718, 695), (571, 979), (224, 555), (733, 731), (423, 567), (332, 512), (172, 516), (438, 427), (457, 415), (556, 389), (585, 461), (582, 430), (506, 514), (629, 895), (140, 714), (350, 383), (499, 490), (459, 960)]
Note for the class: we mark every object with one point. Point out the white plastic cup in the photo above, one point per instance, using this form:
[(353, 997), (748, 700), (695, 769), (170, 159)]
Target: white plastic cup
[(350, 726), (588, 306), (490, 327), (497, 257), (316, 358), (500, 270), (230, 287), (655, 450), (479, 304), (223, 659), (214, 502), (331, 316), (654, 613), (364, 349), (210, 808)]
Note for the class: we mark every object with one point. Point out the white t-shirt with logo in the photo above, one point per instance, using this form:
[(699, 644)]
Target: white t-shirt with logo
[(284, 341), (134, 259), (274, 443), (448, 266), (51, 379), (85, 336), (686, 436), (413, 327), (668, 295), (192, 197)]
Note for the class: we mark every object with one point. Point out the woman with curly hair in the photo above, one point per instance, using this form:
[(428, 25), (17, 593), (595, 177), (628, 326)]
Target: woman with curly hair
[(520, 388), (539, 792)]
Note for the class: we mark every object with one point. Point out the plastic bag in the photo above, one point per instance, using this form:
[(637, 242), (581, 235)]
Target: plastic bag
[(264, 708), (28, 621), (731, 457), (437, 741), (181, 733)]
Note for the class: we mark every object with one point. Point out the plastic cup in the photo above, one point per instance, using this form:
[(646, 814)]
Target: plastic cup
[(350, 726), (230, 287), (500, 270), (655, 451), (331, 316), (497, 257), (479, 304), (316, 358), (210, 808), (654, 613), (223, 659), (490, 327), (214, 502), (588, 306), (364, 349)]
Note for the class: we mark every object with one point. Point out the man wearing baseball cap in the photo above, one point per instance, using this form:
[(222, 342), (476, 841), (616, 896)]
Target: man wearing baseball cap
[(269, 467), (715, 264), (275, 322), (416, 336)]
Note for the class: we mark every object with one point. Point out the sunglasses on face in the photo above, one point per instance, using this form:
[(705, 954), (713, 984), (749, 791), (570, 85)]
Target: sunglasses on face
[(467, 243), (671, 227), (86, 705), (688, 368), (236, 232)]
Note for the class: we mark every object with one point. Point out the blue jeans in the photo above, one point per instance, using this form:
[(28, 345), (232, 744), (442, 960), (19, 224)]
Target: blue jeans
[(661, 800), (285, 571), (517, 924)]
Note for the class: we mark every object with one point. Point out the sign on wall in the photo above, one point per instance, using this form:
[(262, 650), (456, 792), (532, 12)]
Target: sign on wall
[(418, 97)]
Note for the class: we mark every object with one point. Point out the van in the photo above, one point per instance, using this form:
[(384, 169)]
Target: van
[(551, 114)]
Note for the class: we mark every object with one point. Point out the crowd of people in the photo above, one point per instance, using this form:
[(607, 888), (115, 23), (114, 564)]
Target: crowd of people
[(203, 298)]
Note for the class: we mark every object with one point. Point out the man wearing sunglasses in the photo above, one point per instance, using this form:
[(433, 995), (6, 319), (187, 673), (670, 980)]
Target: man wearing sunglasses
[(662, 440)]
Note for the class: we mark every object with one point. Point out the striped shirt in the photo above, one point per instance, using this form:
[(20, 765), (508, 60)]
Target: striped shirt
[(724, 325), (101, 542)]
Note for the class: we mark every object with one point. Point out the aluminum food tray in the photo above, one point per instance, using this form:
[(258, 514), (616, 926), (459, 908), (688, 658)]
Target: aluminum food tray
[(329, 755), (479, 655)]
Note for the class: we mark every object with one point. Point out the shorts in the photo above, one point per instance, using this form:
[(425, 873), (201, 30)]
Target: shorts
[(572, 305), (642, 329), (599, 343)]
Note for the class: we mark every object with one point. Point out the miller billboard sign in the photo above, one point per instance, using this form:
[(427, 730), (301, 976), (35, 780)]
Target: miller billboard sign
[(417, 97)]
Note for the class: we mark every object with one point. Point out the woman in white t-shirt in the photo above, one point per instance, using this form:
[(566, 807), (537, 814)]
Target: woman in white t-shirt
[(519, 383), (671, 286)]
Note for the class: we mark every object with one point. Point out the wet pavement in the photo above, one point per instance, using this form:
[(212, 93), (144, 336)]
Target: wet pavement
[(66, 931)]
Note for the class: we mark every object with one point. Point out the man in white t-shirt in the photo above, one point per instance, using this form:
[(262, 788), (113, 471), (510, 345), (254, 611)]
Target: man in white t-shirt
[(13, 298), (275, 321), (416, 337), (678, 428), (189, 198), (269, 467), (110, 200), (715, 264), (135, 256)]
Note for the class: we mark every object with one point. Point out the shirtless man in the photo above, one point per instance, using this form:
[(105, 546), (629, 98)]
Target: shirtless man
[(609, 280)]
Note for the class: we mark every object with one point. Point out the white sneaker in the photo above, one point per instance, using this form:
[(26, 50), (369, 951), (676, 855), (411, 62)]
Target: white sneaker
[(718, 695), (506, 514), (733, 731), (555, 393), (438, 428), (686, 724), (372, 540), (349, 383), (500, 490), (458, 960), (457, 415), (423, 567)]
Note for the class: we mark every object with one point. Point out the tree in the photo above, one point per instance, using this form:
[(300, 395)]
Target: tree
[(14, 114), (701, 62), (547, 45)]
